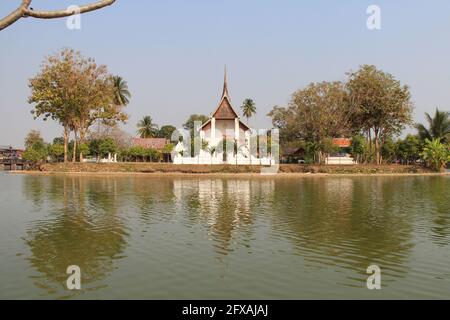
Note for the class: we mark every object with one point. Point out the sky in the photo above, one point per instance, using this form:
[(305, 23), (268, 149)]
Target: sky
[(172, 53)]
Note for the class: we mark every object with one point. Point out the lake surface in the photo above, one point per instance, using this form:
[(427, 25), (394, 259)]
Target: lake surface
[(230, 238)]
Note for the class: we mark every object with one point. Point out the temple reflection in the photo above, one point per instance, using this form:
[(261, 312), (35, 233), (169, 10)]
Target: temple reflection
[(226, 206)]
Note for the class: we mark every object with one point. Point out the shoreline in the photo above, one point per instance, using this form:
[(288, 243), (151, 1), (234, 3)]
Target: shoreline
[(225, 174)]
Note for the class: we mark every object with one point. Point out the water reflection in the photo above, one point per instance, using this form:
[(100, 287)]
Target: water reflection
[(225, 228), (225, 206), (83, 227)]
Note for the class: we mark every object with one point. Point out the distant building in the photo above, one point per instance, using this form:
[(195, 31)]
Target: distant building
[(343, 155), (292, 155), (8, 153), (156, 144), (223, 127)]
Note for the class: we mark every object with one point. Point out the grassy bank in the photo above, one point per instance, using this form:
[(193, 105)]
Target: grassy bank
[(208, 169)]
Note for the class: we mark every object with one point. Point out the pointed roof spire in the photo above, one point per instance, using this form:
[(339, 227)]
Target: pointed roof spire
[(225, 84)]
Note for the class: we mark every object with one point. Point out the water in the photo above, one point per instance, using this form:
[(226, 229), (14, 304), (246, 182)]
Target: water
[(211, 238)]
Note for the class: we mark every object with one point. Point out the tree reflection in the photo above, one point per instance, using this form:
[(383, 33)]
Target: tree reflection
[(83, 228), (348, 222)]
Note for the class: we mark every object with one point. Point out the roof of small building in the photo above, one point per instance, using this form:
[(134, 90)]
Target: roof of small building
[(153, 143), (342, 142)]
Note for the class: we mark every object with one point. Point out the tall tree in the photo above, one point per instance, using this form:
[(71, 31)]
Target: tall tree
[(147, 128), (315, 114), (248, 108), (76, 92), (121, 93), (383, 105), (24, 10), (438, 127)]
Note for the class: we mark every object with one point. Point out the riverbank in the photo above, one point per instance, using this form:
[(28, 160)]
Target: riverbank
[(215, 170)]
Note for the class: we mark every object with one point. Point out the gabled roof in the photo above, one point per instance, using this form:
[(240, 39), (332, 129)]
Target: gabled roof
[(225, 110)]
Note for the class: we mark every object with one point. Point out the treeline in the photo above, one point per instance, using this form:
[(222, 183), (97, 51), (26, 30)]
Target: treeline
[(373, 108), (115, 144)]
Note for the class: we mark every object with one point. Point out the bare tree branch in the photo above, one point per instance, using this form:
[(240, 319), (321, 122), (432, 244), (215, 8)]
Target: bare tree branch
[(15, 15), (24, 11)]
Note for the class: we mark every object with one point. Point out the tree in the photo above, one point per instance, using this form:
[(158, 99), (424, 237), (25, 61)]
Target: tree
[(382, 105), (147, 128), (121, 93), (318, 112), (436, 154), (34, 139), (438, 127), (389, 150), (73, 91), (189, 124), (24, 10), (106, 147), (56, 150), (36, 149), (166, 132), (358, 148), (248, 108), (408, 149)]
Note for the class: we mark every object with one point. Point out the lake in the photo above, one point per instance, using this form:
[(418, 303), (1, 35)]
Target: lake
[(153, 237)]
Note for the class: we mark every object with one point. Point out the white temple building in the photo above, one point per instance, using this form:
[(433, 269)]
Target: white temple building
[(226, 139)]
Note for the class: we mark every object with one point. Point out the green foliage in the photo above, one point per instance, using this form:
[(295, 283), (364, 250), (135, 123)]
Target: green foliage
[(380, 104), (107, 146), (388, 150), (35, 155), (166, 132), (408, 150), (168, 148), (121, 93), (147, 128), (315, 114), (359, 148), (56, 150), (189, 124), (438, 127), (34, 139), (36, 149), (248, 108), (436, 154)]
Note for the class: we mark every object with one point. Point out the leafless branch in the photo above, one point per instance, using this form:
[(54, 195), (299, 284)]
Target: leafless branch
[(24, 10)]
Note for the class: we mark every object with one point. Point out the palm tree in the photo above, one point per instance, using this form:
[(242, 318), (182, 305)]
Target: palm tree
[(121, 94), (248, 108), (146, 127), (211, 150), (438, 127)]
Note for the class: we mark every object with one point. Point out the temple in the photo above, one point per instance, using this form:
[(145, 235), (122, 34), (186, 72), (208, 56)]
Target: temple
[(226, 139)]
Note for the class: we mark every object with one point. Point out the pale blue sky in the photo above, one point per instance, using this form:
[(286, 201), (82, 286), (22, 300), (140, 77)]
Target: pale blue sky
[(172, 53)]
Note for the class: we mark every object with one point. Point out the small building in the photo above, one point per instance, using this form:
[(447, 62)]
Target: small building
[(154, 143), (342, 156), (8, 153), (292, 155)]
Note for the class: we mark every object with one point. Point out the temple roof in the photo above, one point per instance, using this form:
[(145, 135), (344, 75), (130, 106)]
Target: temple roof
[(225, 110)]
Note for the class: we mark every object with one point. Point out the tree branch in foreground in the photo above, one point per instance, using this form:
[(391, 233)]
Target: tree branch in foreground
[(24, 11)]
